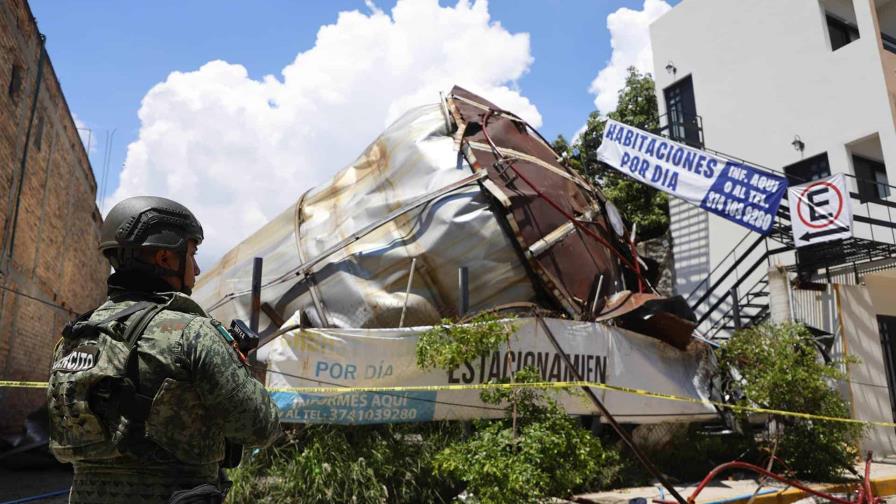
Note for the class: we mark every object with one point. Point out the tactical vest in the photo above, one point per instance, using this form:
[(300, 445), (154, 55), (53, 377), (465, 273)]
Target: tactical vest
[(93, 396)]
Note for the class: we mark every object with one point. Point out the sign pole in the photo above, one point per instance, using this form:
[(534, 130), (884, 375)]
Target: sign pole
[(606, 413)]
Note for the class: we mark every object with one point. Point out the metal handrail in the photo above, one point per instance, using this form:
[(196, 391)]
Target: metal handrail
[(741, 279), (785, 234), (718, 325), (721, 263), (688, 122), (730, 270)]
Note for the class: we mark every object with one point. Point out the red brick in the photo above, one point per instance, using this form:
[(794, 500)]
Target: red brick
[(54, 257)]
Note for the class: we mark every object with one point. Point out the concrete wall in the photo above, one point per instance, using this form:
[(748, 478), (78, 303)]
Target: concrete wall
[(763, 71), (868, 388), (49, 249)]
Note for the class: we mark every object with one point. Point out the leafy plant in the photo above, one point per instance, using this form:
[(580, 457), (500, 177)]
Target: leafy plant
[(358, 464), (449, 345), (638, 202), (533, 454), (778, 367)]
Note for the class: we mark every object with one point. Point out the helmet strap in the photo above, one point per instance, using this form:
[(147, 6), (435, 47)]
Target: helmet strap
[(182, 273)]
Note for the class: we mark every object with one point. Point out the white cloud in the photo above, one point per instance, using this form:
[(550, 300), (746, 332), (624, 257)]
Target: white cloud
[(630, 39), (237, 151)]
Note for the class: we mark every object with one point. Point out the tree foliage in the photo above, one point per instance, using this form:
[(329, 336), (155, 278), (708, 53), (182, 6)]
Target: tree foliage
[(448, 345), (537, 452), (349, 463), (778, 367), (638, 202)]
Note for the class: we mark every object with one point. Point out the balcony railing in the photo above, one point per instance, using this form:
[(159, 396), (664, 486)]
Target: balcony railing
[(685, 128)]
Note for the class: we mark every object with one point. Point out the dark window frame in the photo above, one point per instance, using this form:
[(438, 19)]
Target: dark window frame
[(681, 112), (869, 188), (886, 328), (815, 162), (841, 33)]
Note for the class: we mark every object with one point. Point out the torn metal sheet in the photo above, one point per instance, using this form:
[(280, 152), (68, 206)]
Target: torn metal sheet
[(386, 358), (666, 319), (455, 184)]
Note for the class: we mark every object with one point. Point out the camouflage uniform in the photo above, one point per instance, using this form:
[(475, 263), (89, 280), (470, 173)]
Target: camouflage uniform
[(201, 392)]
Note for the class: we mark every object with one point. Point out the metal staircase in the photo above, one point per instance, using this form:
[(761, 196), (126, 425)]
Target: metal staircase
[(722, 302)]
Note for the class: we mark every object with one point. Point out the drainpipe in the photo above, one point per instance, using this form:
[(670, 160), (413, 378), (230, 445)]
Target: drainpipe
[(24, 161)]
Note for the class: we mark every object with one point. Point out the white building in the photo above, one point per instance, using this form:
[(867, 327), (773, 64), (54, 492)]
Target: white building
[(807, 88)]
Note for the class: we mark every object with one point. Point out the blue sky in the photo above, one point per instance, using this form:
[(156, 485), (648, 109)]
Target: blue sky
[(109, 54)]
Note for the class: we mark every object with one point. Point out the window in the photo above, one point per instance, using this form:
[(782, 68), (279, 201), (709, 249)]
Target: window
[(682, 112), (888, 42), (887, 327), (840, 31), (871, 178), (15, 81), (813, 168)]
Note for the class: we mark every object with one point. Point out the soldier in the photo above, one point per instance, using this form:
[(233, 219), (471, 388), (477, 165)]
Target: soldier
[(147, 393)]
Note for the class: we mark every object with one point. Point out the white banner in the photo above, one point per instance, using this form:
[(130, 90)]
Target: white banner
[(820, 211), (386, 358), (731, 189)]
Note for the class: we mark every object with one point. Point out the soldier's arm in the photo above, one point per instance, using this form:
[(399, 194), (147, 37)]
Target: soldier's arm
[(226, 387)]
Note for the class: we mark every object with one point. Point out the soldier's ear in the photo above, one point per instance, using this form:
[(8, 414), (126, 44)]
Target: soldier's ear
[(166, 259)]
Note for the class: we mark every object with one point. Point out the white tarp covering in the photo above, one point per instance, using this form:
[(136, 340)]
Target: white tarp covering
[(415, 164), (386, 358)]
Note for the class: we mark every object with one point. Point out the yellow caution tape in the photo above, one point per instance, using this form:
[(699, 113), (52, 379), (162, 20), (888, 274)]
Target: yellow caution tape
[(23, 384), (540, 385)]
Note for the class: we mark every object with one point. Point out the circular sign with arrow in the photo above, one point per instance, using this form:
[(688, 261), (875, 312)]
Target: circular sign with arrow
[(822, 211)]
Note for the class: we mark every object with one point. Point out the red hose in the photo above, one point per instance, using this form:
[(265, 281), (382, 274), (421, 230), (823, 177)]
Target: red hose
[(744, 465)]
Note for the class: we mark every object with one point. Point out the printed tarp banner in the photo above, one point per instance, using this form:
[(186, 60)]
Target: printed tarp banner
[(731, 189), (386, 358), (820, 211)]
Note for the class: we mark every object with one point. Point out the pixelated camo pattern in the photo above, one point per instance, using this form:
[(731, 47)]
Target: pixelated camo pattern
[(204, 394)]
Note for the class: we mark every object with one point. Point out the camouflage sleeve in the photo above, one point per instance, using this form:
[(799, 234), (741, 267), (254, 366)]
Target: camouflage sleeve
[(227, 389)]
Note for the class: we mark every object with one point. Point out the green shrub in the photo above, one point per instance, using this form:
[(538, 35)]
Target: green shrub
[(357, 464), (449, 345), (778, 367), (537, 452)]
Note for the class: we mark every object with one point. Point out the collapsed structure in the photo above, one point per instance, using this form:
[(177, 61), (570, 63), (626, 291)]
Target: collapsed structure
[(459, 184), (457, 188)]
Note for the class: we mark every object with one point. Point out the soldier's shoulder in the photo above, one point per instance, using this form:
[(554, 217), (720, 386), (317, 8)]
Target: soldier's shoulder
[(173, 322)]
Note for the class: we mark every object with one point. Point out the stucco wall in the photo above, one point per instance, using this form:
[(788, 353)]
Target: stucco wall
[(763, 71), (868, 389)]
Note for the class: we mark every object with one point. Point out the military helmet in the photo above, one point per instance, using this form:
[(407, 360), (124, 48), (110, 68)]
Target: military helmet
[(148, 221)]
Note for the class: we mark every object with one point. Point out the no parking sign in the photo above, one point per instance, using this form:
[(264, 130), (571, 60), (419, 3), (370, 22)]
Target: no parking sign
[(820, 211)]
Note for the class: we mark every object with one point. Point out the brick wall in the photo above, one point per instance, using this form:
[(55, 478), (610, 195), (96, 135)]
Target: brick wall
[(48, 249)]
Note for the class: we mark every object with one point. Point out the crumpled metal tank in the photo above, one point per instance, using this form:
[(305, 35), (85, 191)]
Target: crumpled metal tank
[(459, 183)]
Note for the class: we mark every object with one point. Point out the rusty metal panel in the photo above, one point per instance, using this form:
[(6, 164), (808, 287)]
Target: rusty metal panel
[(532, 189)]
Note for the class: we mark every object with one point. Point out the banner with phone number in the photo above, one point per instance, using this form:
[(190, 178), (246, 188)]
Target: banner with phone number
[(334, 358), (731, 189)]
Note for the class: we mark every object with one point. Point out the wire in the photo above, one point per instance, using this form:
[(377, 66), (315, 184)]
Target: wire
[(39, 300)]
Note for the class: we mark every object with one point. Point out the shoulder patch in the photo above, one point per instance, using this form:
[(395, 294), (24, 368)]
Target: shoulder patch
[(80, 358), (172, 326)]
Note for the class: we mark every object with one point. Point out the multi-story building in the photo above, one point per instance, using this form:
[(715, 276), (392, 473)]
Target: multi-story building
[(50, 267), (806, 88)]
